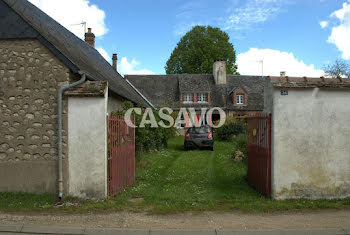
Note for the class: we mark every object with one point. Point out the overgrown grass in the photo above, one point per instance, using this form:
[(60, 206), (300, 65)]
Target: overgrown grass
[(174, 180)]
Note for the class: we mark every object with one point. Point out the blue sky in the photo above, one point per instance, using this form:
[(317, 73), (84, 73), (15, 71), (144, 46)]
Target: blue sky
[(296, 36)]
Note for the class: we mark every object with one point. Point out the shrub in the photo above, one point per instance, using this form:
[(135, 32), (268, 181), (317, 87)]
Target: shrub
[(231, 128), (148, 138)]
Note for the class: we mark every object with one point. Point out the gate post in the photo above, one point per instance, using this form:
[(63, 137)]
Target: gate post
[(87, 145), (269, 180)]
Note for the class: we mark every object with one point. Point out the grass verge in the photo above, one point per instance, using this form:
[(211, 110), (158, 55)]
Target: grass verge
[(174, 180)]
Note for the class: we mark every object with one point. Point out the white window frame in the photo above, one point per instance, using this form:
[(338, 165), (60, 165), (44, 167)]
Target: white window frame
[(202, 98), (240, 99), (188, 98)]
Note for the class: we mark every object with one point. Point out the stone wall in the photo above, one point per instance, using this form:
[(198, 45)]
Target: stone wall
[(30, 76)]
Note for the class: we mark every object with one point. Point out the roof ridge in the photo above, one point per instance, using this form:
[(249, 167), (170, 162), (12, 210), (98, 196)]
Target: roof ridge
[(75, 50)]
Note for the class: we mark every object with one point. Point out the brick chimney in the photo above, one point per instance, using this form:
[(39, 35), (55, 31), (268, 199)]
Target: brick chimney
[(219, 71), (115, 58), (90, 38)]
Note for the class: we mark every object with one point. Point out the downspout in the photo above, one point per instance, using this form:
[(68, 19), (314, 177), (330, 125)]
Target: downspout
[(60, 94)]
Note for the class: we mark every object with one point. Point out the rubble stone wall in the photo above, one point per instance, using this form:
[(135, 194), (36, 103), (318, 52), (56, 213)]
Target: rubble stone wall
[(30, 76)]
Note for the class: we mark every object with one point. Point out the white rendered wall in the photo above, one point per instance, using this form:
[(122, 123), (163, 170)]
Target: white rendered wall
[(311, 143), (87, 147)]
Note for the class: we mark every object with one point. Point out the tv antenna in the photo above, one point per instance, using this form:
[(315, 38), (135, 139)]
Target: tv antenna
[(83, 23), (262, 65)]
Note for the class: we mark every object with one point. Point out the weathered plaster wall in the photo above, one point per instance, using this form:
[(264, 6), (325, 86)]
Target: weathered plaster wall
[(30, 76), (87, 147), (115, 103), (311, 155)]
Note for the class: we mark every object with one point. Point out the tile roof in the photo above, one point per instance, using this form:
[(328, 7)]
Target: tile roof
[(194, 82), (78, 52), (252, 85), (305, 82), (160, 90), (165, 90), (88, 88)]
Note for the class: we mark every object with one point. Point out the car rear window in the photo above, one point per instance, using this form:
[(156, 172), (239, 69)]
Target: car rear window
[(199, 130)]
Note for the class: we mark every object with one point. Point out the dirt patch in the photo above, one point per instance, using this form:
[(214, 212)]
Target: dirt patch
[(136, 200)]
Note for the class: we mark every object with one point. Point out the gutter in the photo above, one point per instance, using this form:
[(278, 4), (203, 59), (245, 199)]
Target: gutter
[(138, 92), (60, 94)]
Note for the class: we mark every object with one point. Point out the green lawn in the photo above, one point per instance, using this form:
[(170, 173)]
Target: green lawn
[(175, 180)]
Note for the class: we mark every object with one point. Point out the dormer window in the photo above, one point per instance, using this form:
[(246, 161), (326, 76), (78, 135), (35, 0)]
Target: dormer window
[(240, 99), (202, 98), (188, 98)]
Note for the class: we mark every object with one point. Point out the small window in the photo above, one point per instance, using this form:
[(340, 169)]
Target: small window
[(188, 98), (199, 130), (240, 99), (202, 97)]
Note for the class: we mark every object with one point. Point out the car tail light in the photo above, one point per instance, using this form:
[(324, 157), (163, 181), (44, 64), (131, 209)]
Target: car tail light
[(187, 136), (210, 135)]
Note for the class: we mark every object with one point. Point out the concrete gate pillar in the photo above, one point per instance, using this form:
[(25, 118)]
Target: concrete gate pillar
[(87, 140)]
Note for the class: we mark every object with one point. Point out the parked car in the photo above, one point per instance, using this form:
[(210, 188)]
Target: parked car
[(199, 137)]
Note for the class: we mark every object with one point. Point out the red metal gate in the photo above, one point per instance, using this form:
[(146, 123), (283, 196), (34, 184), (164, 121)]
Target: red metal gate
[(120, 155), (259, 153)]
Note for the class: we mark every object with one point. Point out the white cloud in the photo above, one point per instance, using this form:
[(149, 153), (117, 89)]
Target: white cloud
[(340, 14), (324, 24), (70, 12), (227, 15), (254, 11), (274, 61), (340, 35), (104, 53), (126, 67)]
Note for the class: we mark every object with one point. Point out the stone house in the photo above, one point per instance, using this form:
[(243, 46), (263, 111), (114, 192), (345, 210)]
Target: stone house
[(38, 57), (236, 95)]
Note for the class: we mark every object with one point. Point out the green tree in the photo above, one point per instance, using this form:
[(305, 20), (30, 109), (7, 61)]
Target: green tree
[(197, 50)]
